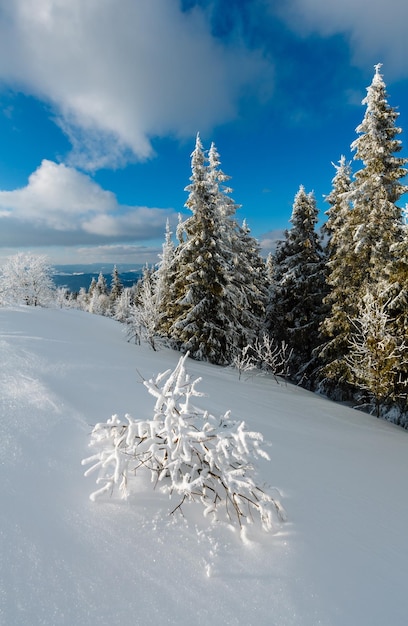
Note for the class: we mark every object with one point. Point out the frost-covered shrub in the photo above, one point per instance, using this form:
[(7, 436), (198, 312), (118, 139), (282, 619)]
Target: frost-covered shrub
[(26, 278), (243, 361), (187, 452), (267, 355)]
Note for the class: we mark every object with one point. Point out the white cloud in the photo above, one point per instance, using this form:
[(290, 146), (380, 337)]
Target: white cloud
[(138, 220), (268, 241), (119, 74), (55, 195), (376, 29), (60, 205)]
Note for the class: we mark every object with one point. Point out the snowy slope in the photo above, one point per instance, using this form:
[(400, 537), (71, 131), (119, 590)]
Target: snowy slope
[(339, 560)]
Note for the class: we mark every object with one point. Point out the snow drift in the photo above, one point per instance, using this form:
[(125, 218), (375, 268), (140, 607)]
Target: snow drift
[(339, 559)]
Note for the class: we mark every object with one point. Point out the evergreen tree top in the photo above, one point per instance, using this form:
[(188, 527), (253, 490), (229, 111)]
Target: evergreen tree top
[(377, 145)]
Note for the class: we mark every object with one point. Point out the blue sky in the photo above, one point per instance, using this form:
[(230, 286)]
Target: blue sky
[(100, 103)]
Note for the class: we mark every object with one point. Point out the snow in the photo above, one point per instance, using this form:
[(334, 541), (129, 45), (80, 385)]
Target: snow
[(340, 559)]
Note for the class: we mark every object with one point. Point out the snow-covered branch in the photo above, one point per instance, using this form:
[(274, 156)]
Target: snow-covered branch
[(187, 452)]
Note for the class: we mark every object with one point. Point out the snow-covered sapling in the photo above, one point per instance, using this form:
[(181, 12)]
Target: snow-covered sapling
[(266, 354), (272, 356), (187, 452), (244, 361)]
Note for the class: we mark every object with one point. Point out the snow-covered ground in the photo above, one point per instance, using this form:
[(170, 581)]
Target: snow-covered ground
[(339, 560)]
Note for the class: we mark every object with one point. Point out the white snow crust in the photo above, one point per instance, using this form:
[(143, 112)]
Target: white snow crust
[(339, 560)]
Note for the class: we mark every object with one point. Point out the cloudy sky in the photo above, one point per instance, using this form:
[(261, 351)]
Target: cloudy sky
[(100, 103)]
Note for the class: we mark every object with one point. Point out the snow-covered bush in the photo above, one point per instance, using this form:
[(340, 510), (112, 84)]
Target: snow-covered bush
[(187, 452), (143, 314), (243, 361), (267, 355), (26, 278), (274, 357), (122, 306), (65, 299)]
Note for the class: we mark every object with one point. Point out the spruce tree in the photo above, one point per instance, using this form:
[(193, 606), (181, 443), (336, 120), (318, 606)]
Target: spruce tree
[(197, 309), (92, 286), (99, 300), (247, 289), (214, 301), (254, 279), (377, 187), (368, 236), (143, 320), (116, 285), (340, 206), (298, 287), (340, 277), (101, 285), (163, 276)]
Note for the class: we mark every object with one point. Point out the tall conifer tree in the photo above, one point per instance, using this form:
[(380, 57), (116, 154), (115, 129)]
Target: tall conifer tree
[(376, 218), (247, 290), (162, 274), (216, 298), (367, 241), (298, 284), (116, 285), (335, 328), (198, 314)]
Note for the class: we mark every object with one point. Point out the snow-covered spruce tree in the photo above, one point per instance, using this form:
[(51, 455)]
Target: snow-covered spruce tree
[(27, 279), (187, 453), (199, 313), (163, 276), (144, 312), (373, 229), (252, 279), (64, 298), (92, 286), (82, 299), (247, 272), (123, 305), (376, 218), (296, 307), (340, 206), (101, 285), (99, 298), (168, 270), (116, 285), (340, 277)]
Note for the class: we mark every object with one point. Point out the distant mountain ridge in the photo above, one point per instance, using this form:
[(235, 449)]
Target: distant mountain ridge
[(76, 276)]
